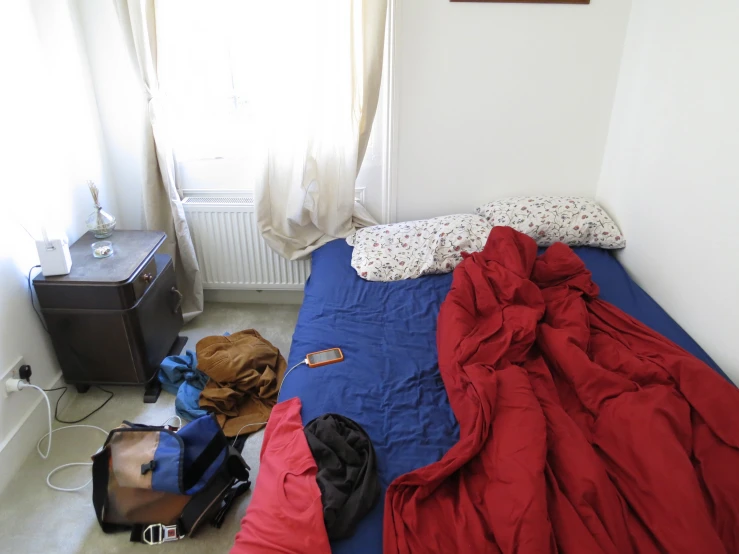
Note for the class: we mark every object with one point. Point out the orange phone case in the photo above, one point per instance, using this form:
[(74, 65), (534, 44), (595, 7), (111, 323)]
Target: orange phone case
[(319, 364)]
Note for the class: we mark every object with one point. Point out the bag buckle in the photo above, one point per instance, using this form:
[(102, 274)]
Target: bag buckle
[(166, 533)]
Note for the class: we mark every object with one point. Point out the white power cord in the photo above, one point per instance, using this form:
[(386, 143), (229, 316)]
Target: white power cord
[(236, 436), (178, 418), (18, 385), (13, 385), (288, 373), (23, 385), (278, 399), (74, 464), (64, 466)]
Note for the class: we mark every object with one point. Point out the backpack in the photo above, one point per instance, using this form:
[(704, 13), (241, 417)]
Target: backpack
[(162, 484)]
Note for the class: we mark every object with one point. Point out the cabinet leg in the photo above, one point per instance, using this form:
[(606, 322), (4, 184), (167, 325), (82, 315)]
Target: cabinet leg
[(152, 390), (154, 387), (82, 389), (177, 346)]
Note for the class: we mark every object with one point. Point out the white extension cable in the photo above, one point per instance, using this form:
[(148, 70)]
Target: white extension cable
[(236, 436), (64, 466), (13, 385), (289, 371), (20, 385), (24, 385)]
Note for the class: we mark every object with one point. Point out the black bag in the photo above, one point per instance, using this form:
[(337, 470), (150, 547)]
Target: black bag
[(163, 484)]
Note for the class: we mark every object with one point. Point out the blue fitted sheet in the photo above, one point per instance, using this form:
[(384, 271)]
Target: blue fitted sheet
[(389, 380)]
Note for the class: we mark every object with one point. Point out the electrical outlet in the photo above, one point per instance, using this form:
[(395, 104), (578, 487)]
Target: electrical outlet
[(10, 373)]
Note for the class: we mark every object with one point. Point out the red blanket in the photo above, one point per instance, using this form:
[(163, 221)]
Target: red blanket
[(581, 430)]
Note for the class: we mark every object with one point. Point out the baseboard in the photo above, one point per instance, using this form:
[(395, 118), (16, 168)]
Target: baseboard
[(34, 424), (255, 296)]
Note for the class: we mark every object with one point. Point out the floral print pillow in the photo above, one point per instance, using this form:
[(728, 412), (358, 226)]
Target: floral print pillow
[(415, 248), (573, 220)]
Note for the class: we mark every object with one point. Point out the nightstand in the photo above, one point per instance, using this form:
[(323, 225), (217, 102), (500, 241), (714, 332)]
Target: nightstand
[(113, 320)]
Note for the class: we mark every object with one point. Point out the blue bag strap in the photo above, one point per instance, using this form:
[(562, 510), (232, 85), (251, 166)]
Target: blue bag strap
[(206, 458)]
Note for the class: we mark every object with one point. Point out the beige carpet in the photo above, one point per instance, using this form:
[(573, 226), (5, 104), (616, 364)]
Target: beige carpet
[(35, 518)]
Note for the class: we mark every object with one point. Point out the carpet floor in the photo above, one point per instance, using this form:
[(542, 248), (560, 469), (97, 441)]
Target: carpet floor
[(35, 518)]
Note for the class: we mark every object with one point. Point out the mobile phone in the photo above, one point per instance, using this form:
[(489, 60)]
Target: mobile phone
[(325, 357)]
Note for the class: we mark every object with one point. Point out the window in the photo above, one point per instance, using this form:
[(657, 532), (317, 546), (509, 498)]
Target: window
[(216, 60)]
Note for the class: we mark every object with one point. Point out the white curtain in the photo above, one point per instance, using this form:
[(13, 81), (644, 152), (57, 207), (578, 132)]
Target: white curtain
[(162, 204), (315, 101)]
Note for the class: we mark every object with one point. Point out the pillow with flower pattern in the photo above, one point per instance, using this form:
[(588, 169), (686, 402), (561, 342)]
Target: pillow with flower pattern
[(415, 248), (574, 220)]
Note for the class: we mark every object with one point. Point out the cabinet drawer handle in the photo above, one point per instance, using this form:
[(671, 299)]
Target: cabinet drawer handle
[(179, 299), (147, 278)]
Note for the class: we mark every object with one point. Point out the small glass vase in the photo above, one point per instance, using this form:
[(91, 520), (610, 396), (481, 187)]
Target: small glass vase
[(101, 223)]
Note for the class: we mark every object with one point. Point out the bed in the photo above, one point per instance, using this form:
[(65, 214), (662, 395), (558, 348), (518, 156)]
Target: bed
[(389, 381)]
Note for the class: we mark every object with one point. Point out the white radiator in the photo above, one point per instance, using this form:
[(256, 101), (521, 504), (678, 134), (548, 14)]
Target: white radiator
[(231, 252)]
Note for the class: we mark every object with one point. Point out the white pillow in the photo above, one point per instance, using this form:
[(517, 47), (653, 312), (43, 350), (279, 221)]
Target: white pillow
[(573, 220), (414, 248)]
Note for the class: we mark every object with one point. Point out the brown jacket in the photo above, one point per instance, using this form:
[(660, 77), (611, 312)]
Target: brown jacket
[(245, 373)]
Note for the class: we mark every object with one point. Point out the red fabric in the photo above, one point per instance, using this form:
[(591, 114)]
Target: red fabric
[(581, 430), (285, 514)]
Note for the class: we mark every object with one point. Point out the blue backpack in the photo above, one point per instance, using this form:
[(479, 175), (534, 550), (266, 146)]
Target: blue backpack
[(162, 483)]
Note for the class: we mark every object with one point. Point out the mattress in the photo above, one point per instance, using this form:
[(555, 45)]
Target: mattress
[(389, 381)]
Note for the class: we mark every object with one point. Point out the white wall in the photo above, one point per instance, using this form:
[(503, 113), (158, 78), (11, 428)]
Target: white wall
[(671, 169), (494, 99), (50, 138), (502, 99), (122, 104)]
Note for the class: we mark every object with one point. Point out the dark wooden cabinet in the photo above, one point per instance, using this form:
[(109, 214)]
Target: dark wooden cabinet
[(113, 320)]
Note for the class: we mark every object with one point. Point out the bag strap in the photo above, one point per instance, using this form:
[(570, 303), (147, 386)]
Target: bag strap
[(226, 487), (206, 458), (236, 465), (100, 477), (237, 490), (157, 533), (237, 471)]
